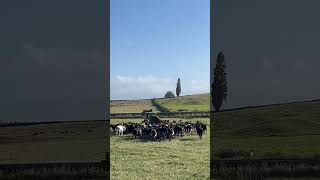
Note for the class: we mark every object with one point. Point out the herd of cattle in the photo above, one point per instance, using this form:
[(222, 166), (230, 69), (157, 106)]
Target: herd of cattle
[(161, 130)]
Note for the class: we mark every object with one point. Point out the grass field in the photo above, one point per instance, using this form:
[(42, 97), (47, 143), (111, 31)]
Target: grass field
[(278, 131), (131, 106), (198, 102), (181, 158), (61, 142)]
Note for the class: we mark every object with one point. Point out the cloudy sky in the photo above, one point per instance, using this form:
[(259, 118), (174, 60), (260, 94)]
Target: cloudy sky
[(52, 60), (153, 43), (271, 49)]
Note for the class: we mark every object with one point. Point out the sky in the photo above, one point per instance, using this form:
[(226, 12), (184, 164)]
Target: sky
[(52, 60), (271, 50), (153, 43), (53, 65)]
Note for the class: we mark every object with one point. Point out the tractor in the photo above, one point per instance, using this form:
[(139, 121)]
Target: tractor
[(151, 117)]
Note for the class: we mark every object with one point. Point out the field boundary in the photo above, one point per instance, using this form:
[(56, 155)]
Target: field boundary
[(204, 114), (17, 123), (257, 168), (265, 105), (50, 170), (159, 106), (119, 100), (197, 114)]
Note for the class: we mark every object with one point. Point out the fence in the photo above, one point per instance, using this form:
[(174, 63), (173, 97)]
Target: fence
[(78, 170), (205, 114), (261, 168)]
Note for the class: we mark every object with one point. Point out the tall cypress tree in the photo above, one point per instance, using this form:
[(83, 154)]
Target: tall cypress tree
[(219, 89), (178, 89)]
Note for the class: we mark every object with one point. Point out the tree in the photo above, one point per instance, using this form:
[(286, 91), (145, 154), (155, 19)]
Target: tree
[(178, 89), (169, 94), (219, 89)]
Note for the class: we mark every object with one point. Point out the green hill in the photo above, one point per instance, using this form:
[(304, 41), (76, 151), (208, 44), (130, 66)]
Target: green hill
[(275, 131), (131, 106), (284, 119), (198, 102)]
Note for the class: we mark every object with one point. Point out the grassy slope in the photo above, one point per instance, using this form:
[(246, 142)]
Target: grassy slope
[(131, 106), (181, 158), (62, 142), (280, 131), (199, 102)]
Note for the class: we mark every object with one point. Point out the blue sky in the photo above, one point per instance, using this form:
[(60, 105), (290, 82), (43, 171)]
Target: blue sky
[(153, 43)]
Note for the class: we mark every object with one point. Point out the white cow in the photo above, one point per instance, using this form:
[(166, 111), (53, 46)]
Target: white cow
[(120, 129)]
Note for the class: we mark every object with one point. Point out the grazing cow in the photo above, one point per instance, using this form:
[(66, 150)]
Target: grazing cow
[(113, 126), (188, 129), (204, 128), (163, 132), (170, 133), (199, 129), (178, 130), (159, 130), (120, 129), (153, 134), (137, 132)]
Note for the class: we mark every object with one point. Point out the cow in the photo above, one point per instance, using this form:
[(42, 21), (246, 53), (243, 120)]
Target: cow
[(120, 129), (178, 130), (188, 129), (137, 132), (113, 126), (199, 129), (153, 134), (204, 128), (170, 133)]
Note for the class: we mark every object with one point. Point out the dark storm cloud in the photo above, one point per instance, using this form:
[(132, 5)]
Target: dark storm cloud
[(271, 49), (52, 60)]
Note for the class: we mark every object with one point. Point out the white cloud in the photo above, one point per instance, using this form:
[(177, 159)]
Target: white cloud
[(200, 86), (144, 87)]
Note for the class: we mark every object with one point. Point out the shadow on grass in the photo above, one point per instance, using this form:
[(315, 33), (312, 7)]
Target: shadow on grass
[(188, 139), (149, 139)]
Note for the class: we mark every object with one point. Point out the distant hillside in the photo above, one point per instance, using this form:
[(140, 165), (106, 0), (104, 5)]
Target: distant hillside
[(131, 106), (274, 131), (284, 119), (198, 102)]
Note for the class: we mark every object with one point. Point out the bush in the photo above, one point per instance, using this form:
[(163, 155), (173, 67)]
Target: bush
[(169, 94)]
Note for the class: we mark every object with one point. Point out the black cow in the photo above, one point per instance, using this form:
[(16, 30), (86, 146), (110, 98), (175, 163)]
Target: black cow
[(188, 129), (178, 130), (199, 129), (113, 126), (137, 132), (153, 134), (204, 128)]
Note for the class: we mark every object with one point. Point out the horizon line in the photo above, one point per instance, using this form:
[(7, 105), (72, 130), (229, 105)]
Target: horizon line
[(154, 97)]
